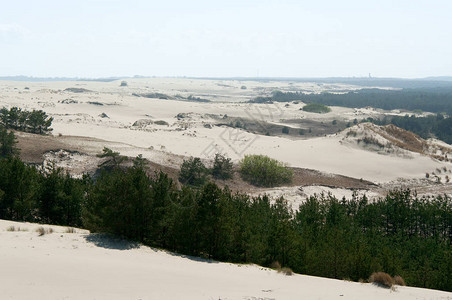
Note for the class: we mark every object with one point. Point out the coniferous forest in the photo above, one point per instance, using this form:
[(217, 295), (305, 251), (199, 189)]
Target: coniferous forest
[(400, 234)]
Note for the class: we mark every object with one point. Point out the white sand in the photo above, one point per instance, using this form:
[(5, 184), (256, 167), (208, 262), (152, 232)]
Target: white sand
[(189, 137), (76, 266)]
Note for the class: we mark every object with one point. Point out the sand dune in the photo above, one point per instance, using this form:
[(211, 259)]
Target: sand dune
[(80, 265), (106, 111)]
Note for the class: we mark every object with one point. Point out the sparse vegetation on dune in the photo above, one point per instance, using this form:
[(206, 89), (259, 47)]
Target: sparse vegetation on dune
[(42, 231), (77, 90), (382, 279)]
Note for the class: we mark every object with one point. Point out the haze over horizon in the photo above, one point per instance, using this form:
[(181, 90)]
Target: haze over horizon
[(109, 38)]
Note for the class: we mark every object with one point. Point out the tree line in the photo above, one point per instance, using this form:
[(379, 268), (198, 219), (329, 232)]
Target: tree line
[(436, 100), (400, 234), (438, 126), (35, 121)]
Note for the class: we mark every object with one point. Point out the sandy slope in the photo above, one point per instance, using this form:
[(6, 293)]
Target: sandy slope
[(80, 114), (78, 265)]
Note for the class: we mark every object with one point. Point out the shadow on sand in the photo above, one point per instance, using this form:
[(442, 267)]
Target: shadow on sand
[(194, 258), (110, 242)]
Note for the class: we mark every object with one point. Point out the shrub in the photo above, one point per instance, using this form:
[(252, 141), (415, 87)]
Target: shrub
[(193, 172), (399, 280), (381, 279), (262, 170), (316, 108), (123, 83), (222, 167)]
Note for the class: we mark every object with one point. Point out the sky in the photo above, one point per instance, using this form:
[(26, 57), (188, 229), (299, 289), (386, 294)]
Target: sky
[(247, 38)]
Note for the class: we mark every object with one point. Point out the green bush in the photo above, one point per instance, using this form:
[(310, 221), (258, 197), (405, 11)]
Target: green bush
[(222, 167), (262, 170), (316, 108), (193, 172)]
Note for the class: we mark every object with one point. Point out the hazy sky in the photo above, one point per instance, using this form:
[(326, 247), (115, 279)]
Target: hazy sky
[(318, 38)]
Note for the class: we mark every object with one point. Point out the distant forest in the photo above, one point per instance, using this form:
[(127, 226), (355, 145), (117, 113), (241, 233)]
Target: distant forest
[(437, 126), (436, 100)]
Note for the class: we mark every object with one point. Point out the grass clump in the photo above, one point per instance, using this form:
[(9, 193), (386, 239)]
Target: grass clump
[(316, 108), (42, 231), (284, 270), (261, 170), (70, 230), (13, 228), (382, 279), (398, 280)]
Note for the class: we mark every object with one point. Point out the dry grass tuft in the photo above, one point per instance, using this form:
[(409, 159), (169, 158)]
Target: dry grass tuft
[(398, 280), (41, 230), (13, 228), (70, 230), (382, 279), (275, 265), (286, 271)]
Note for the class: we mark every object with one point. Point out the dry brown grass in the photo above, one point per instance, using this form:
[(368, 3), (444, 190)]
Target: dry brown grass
[(13, 228), (405, 139), (398, 280), (382, 279), (41, 231), (284, 270), (70, 230), (275, 265)]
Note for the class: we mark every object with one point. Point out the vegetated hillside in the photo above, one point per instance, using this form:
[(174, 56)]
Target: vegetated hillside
[(436, 100), (438, 126), (325, 237), (390, 139)]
